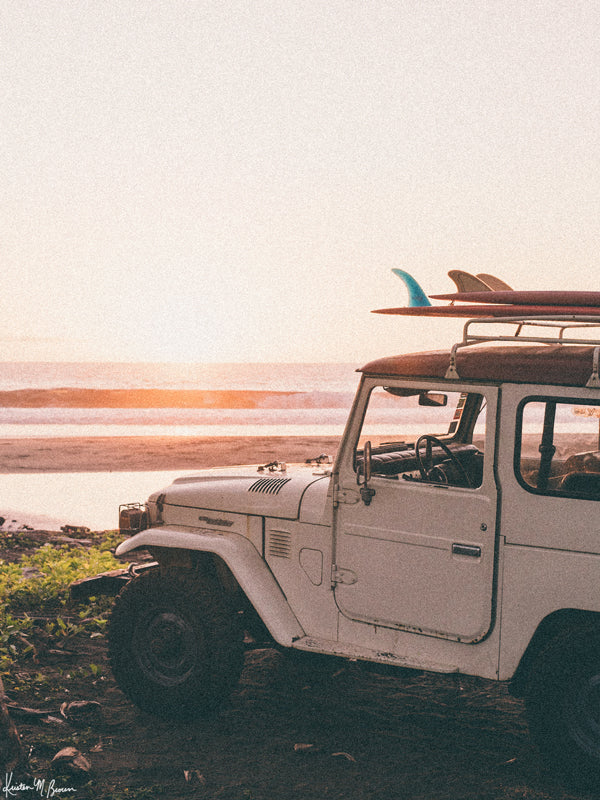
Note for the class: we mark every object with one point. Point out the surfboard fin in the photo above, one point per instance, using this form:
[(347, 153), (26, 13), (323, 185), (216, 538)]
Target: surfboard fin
[(416, 295), (495, 284), (465, 282)]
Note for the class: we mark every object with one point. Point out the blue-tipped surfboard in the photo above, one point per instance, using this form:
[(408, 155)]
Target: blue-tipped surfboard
[(487, 300), (514, 311), (416, 295)]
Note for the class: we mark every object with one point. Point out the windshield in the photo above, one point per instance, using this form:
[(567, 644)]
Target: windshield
[(424, 435)]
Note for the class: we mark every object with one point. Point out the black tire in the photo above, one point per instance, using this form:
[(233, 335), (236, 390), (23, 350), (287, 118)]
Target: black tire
[(175, 648), (563, 707)]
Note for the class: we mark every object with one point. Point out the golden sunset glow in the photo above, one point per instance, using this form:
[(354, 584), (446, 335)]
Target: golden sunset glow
[(233, 182)]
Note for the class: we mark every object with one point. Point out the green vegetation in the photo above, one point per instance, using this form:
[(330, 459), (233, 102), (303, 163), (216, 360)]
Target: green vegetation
[(50, 655), (35, 591)]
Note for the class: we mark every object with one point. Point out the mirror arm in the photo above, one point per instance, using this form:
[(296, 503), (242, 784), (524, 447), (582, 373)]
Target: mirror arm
[(366, 492)]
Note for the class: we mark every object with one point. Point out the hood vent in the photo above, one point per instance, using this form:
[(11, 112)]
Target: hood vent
[(269, 485)]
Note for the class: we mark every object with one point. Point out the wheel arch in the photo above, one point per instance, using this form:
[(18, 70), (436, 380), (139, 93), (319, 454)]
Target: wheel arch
[(235, 562), (551, 628)]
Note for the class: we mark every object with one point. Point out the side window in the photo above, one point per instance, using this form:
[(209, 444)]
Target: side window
[(558, 449), (424, 436)]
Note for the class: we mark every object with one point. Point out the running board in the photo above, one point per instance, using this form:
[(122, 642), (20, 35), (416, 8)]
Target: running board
[(354, 653)]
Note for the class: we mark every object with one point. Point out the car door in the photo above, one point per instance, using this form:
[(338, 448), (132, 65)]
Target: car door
[(417, 551)]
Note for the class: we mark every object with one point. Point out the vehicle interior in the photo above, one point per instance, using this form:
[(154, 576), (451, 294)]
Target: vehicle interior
[(437, 437), (559, 449)]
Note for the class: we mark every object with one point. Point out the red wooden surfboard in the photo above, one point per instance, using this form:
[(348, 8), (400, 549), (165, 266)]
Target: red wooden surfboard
[(492, 310), (537, 298)]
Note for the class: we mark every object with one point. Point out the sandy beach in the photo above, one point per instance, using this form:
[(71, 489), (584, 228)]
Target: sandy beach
[(140, 453), (152, 453)]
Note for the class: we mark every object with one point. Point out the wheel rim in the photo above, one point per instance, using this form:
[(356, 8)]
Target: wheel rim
[(166, 647), (583, 714)]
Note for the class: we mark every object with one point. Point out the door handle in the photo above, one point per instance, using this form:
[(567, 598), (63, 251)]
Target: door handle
[(466, 550)]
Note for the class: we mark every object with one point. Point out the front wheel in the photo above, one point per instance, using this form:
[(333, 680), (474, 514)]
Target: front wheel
[(175, 647), (563, 707)]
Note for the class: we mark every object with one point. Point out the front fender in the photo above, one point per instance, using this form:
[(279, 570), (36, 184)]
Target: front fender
[(244, 561)]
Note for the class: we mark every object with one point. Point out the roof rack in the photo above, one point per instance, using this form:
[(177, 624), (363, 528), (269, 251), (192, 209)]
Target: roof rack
[(555, 325)]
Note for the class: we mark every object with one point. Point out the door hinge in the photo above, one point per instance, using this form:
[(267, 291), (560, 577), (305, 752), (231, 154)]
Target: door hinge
[(347, 496), (346, 576)]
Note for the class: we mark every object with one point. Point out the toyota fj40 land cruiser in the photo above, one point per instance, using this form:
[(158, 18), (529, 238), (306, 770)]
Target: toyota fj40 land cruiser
[(456, 532)]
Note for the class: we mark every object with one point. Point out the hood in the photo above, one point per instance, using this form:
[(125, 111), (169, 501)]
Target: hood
[(243, 490)]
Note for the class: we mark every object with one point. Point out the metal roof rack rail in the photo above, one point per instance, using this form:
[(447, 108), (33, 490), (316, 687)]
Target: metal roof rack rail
[(557, 323)]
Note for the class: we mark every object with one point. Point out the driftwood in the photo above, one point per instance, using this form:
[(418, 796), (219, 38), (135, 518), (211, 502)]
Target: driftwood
[(11, 753)]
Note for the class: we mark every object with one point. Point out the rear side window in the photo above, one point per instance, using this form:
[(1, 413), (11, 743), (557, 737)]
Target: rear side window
[(558, 448)]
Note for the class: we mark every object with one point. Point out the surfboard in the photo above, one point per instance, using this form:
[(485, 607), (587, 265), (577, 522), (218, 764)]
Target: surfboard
[(537, 298), (416, 295), (493, 310), (465, 282)]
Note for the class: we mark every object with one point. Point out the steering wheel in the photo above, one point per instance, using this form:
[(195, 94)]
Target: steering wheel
[(426, 464)]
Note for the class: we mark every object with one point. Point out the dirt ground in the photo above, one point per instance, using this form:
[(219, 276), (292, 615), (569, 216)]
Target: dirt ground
[(289, 733)]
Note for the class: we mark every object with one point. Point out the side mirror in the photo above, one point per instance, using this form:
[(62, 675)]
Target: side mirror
[(366, 492)]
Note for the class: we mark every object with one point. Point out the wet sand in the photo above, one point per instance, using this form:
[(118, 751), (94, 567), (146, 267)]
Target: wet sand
[(140, 453)]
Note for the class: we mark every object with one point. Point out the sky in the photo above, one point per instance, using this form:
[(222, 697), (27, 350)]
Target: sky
[(219, 181)]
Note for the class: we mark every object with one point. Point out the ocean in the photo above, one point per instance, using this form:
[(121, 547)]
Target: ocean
[(322, 397)]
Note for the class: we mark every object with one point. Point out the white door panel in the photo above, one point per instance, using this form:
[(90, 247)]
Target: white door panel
[(410, 577), (421, 555)]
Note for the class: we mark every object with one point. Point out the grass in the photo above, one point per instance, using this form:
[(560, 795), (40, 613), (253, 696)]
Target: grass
[(35, 591), (48, 655)]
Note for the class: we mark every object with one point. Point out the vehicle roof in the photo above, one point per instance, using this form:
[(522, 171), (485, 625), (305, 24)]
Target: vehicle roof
[(562, 365)]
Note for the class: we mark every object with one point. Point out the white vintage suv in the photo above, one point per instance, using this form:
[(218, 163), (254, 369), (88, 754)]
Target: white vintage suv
[(456, 531)]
